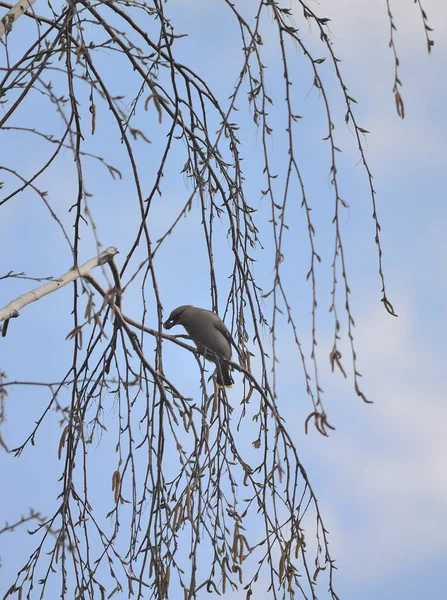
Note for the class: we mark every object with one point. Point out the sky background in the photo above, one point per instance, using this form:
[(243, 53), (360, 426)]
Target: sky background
[(380, 477)]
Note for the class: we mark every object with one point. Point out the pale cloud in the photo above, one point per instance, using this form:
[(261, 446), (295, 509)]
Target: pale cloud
[(388, 460), (354, 22), (360, 34)]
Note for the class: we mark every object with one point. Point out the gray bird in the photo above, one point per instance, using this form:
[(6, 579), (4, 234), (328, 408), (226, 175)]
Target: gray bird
[(210, 335)]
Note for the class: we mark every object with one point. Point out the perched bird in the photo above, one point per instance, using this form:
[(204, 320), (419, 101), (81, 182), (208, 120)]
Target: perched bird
[(210, 335)]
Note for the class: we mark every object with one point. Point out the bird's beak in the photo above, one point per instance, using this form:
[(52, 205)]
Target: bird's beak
[(168, 324)]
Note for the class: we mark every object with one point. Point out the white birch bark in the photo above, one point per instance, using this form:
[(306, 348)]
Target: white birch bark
[(13, 308), (8, 20)]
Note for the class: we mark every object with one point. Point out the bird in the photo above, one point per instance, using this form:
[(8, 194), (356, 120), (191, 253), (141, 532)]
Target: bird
[(210, 335)]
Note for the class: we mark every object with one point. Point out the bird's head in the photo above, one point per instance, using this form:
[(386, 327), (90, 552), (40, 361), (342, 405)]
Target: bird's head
[(176, 316)]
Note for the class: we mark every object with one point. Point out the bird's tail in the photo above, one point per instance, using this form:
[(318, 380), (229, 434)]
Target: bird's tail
[(224, 378)]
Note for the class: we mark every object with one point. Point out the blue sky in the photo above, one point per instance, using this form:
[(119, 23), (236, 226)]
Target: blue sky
[(380, 477)]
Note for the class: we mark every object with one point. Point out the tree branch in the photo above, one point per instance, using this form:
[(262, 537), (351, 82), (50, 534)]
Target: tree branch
[(12, 309), (13, 14)]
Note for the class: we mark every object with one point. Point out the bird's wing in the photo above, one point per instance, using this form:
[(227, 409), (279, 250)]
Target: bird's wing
[(220, 326)]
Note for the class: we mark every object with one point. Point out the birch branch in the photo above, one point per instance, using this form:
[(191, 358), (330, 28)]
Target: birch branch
[(12, 309), (13, 14)]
